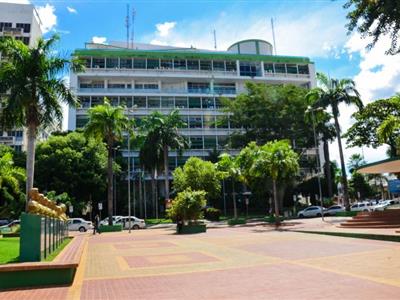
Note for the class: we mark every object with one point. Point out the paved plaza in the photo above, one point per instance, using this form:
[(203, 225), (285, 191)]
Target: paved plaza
[(230, 263)]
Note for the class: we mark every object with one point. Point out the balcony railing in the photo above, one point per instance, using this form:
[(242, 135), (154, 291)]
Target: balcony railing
[(217, 91)]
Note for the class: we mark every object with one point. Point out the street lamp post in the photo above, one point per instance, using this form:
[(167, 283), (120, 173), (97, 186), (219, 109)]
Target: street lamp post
[(129, 182), (318, 162)]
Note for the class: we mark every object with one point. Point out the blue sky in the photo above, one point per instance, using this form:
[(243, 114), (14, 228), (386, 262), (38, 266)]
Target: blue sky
[(313, 28)]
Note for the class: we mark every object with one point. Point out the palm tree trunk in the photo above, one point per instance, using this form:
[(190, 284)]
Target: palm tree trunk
[(277, 220), (153, 191), (110, 187), (328, 168), (140, 195), (166, 171), (344, 176), (145, 198), (234, 199), (30, 161)]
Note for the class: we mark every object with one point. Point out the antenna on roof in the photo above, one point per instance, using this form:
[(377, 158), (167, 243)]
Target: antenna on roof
[(127, 25), (133, 26), (215, 40), (273, 34)]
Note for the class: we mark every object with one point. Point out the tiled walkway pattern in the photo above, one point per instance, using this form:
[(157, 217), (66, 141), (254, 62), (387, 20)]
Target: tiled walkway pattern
[(230, 263)]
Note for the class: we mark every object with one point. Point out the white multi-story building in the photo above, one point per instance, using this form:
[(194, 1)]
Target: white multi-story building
[(149, 78), (21, 22)]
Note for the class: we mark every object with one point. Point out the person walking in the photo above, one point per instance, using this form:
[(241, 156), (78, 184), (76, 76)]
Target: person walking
[(96, 224)]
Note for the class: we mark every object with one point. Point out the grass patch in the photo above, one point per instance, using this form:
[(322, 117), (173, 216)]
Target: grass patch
[(54, 254), (237, 221), (380, 237), (9, 250), (158, 221), (346, 214)]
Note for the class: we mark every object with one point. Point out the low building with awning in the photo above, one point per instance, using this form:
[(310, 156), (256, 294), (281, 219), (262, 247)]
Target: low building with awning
[(390, 165)]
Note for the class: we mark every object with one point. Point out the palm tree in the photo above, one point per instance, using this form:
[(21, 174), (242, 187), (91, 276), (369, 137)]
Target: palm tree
[(330, 94), (31, 89), (108, 123), (279, 162), (166, 129), (229, 168)]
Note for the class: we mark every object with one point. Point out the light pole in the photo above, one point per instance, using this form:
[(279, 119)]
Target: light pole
[(129, 181), (310, 109)]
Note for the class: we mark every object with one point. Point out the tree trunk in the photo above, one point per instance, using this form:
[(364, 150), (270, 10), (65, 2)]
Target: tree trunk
[(110, 187), (277, 220), (30, 161), (140, 195), (166, 171), (156, 197), (234, 199), (342, 165), (145, 198), (153, 191), (328, 168)]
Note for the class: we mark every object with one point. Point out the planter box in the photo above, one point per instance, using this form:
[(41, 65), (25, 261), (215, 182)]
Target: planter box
[(108, 228), (236, 221), (195, 228)]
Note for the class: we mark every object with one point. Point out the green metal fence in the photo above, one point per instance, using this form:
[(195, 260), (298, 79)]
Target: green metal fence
[(40, 236)]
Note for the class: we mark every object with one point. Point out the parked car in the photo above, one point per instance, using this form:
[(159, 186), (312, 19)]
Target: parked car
[(9, 226), (79, 224), (136, 223), (332, 210), (311, 211), (362, 206), (385, 204), (115, 219), (4, 222)]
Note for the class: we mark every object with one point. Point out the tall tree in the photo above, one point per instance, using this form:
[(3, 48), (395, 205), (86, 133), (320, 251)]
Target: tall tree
[(278, 161), (108, 123), (375, 18), (330, 94), (31, 89), (166, 129), (364, 131), (390, 129)]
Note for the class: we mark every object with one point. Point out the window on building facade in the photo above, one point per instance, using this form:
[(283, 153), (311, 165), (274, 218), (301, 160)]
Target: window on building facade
[(198, 87), (210, 142), (195, 122), (81, 121), (251, 69), (139, 101), (291, 68), (84, 101), (172, 163), (98, 63), (153, 102), (230, 66), (181, 102), (112, 63), (5, 25), (280, 68), (209, 121), (196, 142), (185, 119), (268, 68), (194, 102), (179, 64), (113, 101), (96, 100), (303, 69), (125, 63), (224, 88), (139, 63), (205, 65), (153, 63), (26, 27), (87, 61), (218, 65), (181, 160), (193, 65), (167, 102), (125, 101), (166, 64), (207, 103), (222, 141), (116, 85)]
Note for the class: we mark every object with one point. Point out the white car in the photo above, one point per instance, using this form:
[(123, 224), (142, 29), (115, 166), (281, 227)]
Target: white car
[(136, 223), (332, 210), (115, 220), (311, 211), (384, 204), (362, 206), (79, 224)]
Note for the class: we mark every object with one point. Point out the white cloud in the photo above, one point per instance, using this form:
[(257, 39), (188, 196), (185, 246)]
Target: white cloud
[(99, 39), (47, 17), (72, 10), (163, 29), (311, 33)]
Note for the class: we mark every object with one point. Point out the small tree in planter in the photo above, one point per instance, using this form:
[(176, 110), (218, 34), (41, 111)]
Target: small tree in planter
[(187, 208)]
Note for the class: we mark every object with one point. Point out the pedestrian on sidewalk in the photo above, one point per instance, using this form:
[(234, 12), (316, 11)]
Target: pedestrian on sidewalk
[(96, 224)]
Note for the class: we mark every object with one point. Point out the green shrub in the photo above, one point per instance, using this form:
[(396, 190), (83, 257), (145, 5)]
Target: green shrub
[(271, 219), (236, 221), (346, 214), (212, 214), (187, 206)]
